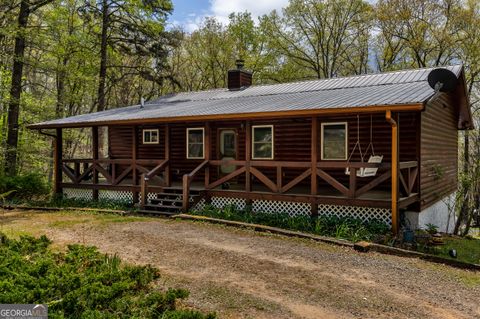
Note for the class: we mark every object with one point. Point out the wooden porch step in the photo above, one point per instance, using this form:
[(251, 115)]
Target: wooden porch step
[(162, 207), (169, 195), (169, 201), (156, 213), (170, 198), (179, 191), (161, 200)]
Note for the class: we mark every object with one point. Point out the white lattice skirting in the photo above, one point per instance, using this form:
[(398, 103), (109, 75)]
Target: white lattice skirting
[(302, 209), (125, 196), (291, 208), (358, 212), (266, 206), (78, 193), (87, 194)]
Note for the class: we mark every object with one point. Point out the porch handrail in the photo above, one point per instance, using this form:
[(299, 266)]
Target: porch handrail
[(267, 163), (193, 173), (350, 191), (323, 164), (112, 161), (155, 170), (187, 181), (336, 164), (145, 177)]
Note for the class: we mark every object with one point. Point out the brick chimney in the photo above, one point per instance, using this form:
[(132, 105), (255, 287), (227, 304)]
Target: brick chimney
[(239, 78)]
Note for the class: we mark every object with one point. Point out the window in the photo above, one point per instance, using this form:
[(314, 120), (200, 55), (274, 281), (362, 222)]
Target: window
[(334, 141), (150, 136), (195, 143), (228, 145), (262, 142)]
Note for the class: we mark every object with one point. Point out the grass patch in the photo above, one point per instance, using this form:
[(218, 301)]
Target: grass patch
[(468, 249), (82, 217), (15, 233), (83, 283), (106, 218), (75, 202), (470, 279), (344, 228), (67, 223)]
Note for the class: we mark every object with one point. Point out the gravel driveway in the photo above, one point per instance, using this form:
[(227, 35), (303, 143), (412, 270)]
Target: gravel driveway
[(239, 273)]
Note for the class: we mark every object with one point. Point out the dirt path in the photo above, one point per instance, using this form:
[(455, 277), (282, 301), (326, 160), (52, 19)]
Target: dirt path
[(242, 274)]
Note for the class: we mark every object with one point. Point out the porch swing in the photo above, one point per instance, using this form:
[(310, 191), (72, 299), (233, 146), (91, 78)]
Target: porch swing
[(373, 159)]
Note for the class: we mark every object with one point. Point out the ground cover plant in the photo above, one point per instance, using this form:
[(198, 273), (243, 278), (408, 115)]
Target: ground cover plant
[(33, 190), (83, 283), (22, 187), (345, 228), (59, 201)]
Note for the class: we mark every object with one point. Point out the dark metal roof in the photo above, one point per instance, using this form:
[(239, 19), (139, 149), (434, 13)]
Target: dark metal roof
[(407, 87)]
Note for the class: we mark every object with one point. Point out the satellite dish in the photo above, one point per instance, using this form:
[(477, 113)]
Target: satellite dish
[(442, 80)]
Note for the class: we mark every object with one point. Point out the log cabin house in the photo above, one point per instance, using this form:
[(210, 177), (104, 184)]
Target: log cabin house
[(368, 146)]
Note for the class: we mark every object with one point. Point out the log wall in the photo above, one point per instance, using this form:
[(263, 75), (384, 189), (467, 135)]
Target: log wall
[(439, 150)]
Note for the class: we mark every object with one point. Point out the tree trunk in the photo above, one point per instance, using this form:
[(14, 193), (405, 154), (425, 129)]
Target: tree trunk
[(103, 67), (16, 90), (59, 107), (465, 187), (103, 58)]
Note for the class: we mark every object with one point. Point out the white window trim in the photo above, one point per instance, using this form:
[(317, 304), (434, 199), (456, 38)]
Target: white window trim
[(150, 130), (322, 140), (253, 142), (203, 141)]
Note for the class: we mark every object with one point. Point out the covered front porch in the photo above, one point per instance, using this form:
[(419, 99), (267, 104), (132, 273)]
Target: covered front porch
[(315, 182)]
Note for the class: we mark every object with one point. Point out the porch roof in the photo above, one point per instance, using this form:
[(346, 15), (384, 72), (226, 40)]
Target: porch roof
[(400, 90)]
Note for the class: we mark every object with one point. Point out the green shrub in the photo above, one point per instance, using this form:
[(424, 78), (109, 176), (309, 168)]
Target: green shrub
[(345, 228), (25, 186), (61, 201), (431, 229), (83, 283)]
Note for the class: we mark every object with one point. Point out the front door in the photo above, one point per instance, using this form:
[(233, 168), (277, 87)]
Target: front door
[(227, 149)]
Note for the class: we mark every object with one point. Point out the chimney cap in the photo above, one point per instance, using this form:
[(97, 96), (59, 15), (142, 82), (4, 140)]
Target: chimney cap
[(240, 63)]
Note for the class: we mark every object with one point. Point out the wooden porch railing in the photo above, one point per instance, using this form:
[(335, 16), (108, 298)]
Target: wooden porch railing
[(187, 181), (145, 177), (277, 186), (82, 173), (85, 172), (83, 169)]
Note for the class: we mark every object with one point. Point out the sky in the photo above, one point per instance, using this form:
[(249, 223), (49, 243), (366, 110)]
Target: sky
[(189, 13)]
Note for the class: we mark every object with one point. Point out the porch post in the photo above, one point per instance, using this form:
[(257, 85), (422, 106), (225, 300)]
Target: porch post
[(57, 174), (394, 164), (248, 156), (167, 155), (314, 160), (95, 158), (134, 165), (208, 151)]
